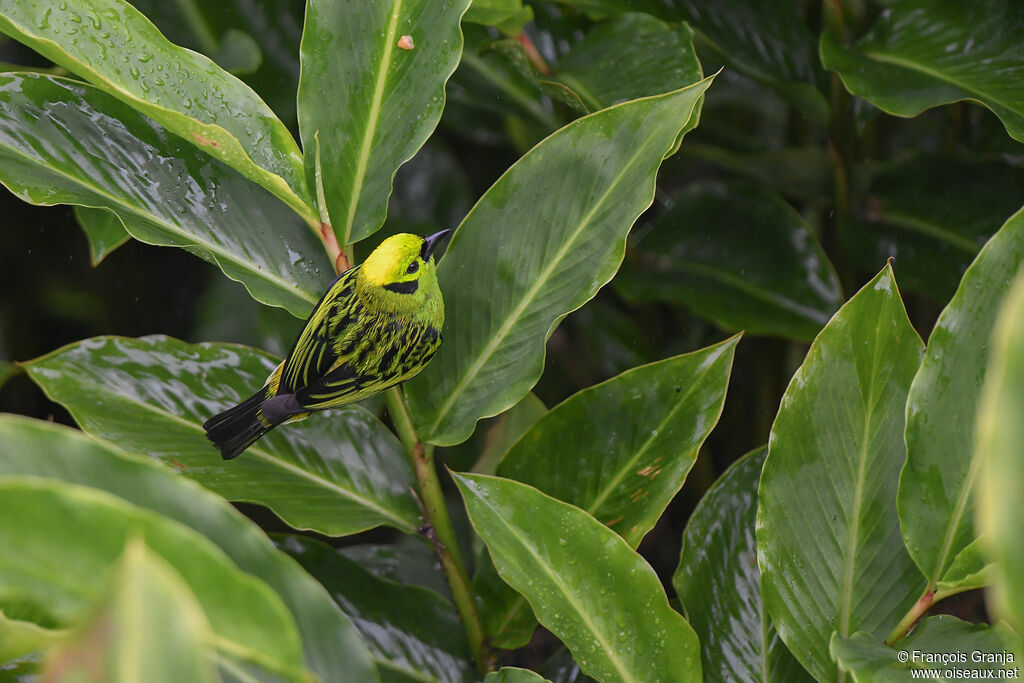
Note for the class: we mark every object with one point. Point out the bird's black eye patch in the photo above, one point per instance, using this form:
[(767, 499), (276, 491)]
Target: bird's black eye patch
[(413, 267), (408, 287)]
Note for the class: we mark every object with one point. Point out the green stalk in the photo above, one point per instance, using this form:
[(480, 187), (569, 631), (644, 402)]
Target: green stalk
[(440, 530), (910, 618), (924, 603)]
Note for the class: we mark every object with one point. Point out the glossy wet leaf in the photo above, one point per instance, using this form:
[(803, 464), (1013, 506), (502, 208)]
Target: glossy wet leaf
[(511, 674), (145, 625), (739, 255), (112, 45), (19, 638), (63, 142), (828, 536), (337, 472), (621, 450), (632, 56), (235, 32), (584, 582), (390, 100), (573, 199), (57, 539), (103, 229), (871, 661), (933, 213), (1001, 455), (936, 501), (414, 633), (42, 449), (925, 53), (770, 42), (719, 585)]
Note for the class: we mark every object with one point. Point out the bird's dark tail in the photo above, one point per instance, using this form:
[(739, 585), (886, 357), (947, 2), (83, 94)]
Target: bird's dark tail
[(237, 428)]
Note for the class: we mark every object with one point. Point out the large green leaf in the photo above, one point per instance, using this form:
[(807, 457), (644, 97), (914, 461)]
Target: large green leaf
[(828, 536), (925, 53), (539, 244), (935, 498), (621, 450), (103, 229), (719, 585), (57, 539), (1001, 456), (740, 255), (630, 57), (653, 420), (942, 644), (146, 625), (584, 583), (228, 29), (337, 472), (41, 449), (389, 102), (112, 45), (932, 213), (414, 633), (64, 142)]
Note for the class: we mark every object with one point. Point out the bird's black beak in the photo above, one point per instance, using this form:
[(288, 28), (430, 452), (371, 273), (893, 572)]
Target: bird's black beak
[(430, 243)]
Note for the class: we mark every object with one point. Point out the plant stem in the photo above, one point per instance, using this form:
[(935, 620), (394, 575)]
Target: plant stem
[(439, 526), (911, 617)]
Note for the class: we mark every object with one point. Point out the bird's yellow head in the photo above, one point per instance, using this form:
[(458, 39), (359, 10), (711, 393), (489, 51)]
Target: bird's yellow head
[(400, 273)]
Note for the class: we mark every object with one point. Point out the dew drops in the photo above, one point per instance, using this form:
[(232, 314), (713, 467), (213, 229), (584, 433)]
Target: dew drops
[(134, 71)]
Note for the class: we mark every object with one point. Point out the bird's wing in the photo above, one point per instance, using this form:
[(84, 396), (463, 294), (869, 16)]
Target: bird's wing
[(314, 352), (379, 358)]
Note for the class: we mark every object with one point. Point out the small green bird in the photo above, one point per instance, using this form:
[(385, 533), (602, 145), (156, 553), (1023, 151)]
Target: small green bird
[(378, 324)]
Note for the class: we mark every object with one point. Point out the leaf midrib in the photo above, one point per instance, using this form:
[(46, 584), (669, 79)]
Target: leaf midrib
[(267, 276), (891, 58), (760, 294), (923, 227), (846, 596), (373, 119), (254, 450)]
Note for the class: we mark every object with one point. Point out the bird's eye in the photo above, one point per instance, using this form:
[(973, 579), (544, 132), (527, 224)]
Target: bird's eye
[(413, 267)]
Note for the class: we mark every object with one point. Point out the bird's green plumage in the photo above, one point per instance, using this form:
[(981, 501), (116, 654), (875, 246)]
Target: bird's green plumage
[(377, 325)]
